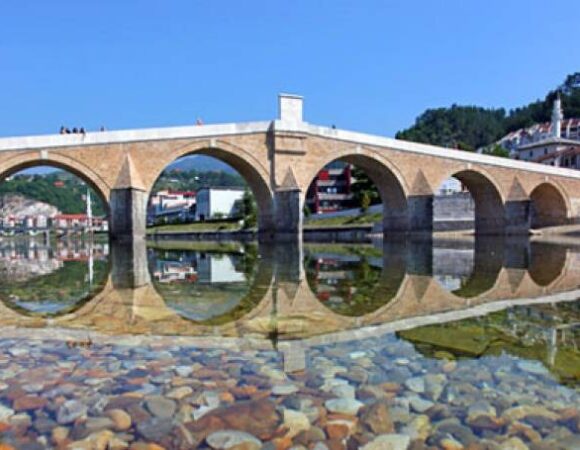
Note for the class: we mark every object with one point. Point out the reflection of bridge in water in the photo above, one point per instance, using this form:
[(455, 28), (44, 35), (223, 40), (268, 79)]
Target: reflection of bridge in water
[(283, 305)]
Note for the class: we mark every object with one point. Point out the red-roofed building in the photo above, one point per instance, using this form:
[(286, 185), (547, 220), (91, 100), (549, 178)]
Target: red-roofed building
[(79, 222), (171, 204), (554, 143), (331, 189)]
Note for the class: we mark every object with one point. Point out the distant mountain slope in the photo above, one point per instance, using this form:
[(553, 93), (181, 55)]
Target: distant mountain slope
[(60, 189), (201, 163), (20, 206)]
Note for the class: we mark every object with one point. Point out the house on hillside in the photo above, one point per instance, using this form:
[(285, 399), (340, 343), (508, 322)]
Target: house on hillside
[(555, 143)]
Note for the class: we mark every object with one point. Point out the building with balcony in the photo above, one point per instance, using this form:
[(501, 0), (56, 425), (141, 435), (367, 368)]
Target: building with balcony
[(331, 190), (171, 206)]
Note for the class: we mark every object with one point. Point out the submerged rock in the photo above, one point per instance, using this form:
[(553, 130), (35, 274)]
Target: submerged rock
[(257, 417), (347, 406), (377, 418), (388, 442), (228, 439), (160, 406), (70, 411), (6, 412), (416, 384)]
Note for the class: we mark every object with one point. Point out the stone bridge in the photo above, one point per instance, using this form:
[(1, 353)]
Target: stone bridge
[(280, 158)]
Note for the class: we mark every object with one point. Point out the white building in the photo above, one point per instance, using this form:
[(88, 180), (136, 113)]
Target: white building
[(556, 143), (450, 186), (213, 269), (217, 202), (171, 205)]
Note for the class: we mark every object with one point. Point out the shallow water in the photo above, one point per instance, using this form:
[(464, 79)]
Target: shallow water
[(412, 343)]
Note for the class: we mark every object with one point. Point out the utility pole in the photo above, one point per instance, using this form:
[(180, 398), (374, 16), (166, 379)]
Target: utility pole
[(90, 243)]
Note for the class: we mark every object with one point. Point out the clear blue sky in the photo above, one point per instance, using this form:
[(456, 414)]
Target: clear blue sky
[(371, 66)]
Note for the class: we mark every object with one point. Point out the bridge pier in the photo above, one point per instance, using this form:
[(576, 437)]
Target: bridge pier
[(288, 213), (518, 218), (128, 214), (420, 212), (129, 264)]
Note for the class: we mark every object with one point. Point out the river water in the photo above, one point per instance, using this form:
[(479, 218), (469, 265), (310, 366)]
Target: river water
[(397, 344)]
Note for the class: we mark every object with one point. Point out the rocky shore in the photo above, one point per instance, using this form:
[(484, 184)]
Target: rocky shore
[(369, 394)]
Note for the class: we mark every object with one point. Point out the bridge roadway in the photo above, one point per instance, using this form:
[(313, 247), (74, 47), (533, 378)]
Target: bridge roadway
[(280, 158)]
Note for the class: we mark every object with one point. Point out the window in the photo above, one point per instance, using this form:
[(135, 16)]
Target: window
[(531, 153)]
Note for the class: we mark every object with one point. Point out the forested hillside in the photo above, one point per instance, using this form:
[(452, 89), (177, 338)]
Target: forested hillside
[(192, 180), (471, 127), (68, 193), (60, 189)]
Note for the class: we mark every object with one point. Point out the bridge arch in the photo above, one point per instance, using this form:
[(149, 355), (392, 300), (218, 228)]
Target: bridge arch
[(548, 206), (385, 176), (487, 197), (82, 171), (547, 263), (248, 166)]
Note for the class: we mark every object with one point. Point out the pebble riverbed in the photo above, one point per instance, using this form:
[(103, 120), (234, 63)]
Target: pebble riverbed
[(369, 394)]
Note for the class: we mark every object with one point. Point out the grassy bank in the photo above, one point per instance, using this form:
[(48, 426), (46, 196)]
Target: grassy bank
[(194, 227), (199, 246), (363, 219)]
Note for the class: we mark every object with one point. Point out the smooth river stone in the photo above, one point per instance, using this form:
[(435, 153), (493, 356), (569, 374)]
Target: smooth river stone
[(160, 406), (70, 411), (388, 442), (5, 412), (179, 393), (377, 418), (227, 439), (284, 389), (420, 405), (29, 403), (348, 406), (295, 421), (121, 420), (480, 408), (183, 371), (415, 384)]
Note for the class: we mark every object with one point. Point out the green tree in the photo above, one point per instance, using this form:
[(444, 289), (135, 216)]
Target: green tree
[(496, 150), (249, 209), (365, 202), (60, 189), (363, 185)]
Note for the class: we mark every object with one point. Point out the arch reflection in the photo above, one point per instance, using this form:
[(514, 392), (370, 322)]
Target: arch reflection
[(468, 269), (547, 262), (210, 284), (353, 280), (51, 279)]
